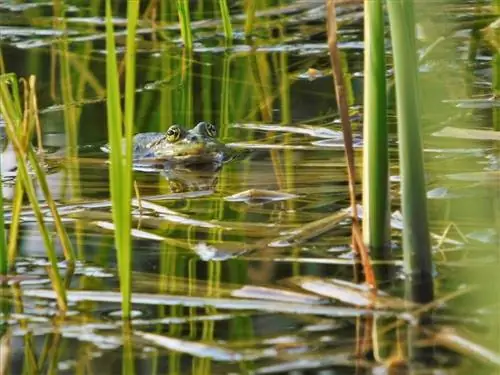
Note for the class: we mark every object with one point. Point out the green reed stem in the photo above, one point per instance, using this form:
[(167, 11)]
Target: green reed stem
[(226, 20), (250, 16), (376, 226), (17, 204), (4, 263), (132, 17), (206, 84), (496, 70), (185, 21), (121, 167), (416, 240), (224, 96), (166, 94), (187, 97)]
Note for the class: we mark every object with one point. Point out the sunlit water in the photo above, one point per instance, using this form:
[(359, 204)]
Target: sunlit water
[(199, 237)]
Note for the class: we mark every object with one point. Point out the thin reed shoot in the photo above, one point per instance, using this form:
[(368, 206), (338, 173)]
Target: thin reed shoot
[(185, 21), (121, 165), (226, 20)]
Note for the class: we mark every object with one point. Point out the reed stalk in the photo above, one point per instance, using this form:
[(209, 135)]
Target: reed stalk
[(250, 17), (496, 70), (376, 213), (206, 84), (416, 240), (121, 166), (226, 20), (224, 95), (341, 96), (185, 21), (187, 92), (4, 264)]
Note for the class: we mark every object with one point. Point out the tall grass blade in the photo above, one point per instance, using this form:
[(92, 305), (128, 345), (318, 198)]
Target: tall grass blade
[(416, 240), (376, 213), (121, 166), (185, 21), (126, 251), (250, 17), (496, 70), (4, 264), (226, 21)]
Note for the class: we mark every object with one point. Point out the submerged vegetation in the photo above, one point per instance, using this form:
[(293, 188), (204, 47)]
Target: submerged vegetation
[(251, 259)]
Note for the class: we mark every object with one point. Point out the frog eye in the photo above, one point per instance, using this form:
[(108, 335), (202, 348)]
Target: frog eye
[(211, 130), (174, 133)]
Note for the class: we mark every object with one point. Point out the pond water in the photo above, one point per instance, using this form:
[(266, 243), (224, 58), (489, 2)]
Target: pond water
[(228, 279)]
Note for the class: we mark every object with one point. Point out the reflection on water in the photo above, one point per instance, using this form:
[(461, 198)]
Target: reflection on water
[(215, 246)]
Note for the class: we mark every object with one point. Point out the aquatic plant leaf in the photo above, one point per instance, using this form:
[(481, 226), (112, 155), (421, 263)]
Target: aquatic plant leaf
[(441, 193), (313, 131), (209, 252), (335, 143), (310, 230), (204, 350), (182, 320), (137, 233), (259, 292), (350, 293), (260, 146), (12, 279), (259, 196), (482, 177), (316, 361), (479, 134), (87, 333), (459, 342), (486, 235), (157, 208), (220, 303), (491, 102)]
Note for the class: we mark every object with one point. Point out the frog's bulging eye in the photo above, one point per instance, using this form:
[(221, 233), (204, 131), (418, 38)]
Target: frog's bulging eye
[(174, 133), (211, 130)]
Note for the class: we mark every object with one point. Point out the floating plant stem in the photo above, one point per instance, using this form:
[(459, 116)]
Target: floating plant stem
[(226, 20), (185, 21), (416, 240), (376, 225)]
